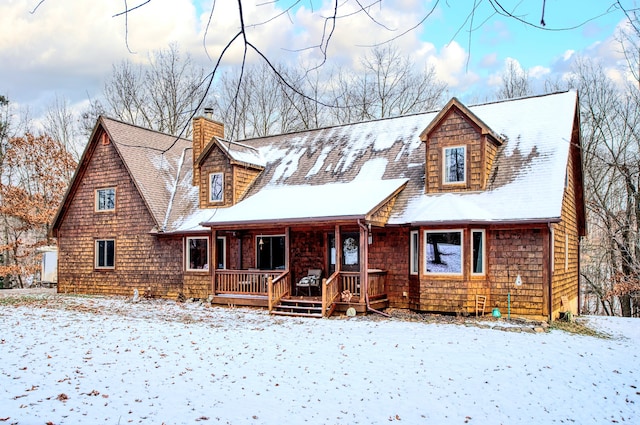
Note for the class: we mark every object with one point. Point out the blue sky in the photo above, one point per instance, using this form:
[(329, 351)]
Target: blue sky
[(67, 48)]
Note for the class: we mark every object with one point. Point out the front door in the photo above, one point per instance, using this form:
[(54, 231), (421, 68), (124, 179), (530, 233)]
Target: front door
[(350, 252)]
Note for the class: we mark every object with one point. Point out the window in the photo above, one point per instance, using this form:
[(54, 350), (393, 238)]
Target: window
[(221, 252), (106, 199), (105, 253), (270, 255), (478, 252), (197, 254), (443, 252), (216, 186), (454, 164), (414, 253)]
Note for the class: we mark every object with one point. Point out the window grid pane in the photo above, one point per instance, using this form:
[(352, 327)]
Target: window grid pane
[(216, 187), (198, 253), (105, 254), (106, 199), (478, 252), (454, 165), (414, 253), (443, 252)]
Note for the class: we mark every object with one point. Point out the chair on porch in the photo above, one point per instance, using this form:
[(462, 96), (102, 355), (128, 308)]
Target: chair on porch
[(312, 279)]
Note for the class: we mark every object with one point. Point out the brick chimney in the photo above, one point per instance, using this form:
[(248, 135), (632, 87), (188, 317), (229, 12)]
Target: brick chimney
[(204, 130)]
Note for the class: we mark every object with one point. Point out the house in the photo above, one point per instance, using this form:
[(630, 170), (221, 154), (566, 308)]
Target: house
[(434, 212)]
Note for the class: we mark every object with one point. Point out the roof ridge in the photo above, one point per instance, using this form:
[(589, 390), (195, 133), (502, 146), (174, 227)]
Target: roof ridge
[(106, 117)]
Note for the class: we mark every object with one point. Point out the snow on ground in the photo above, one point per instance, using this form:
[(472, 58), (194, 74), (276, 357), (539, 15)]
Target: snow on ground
[(81, 360)]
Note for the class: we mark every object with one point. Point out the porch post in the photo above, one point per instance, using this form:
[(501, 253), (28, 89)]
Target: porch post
[(213, 261), (338, 247), (287, 247), (364, 262)]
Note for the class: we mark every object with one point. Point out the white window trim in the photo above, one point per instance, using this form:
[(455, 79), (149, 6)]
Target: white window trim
[(425, 262), (484, 252), (211, 176), (444, 165), (97, 199), (224, 252), (97, 251), (414, 252), (187, 252)]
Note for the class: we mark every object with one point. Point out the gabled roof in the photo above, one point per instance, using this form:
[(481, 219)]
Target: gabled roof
[(455, 104), (153, 160), (526, 184), (237, 153)]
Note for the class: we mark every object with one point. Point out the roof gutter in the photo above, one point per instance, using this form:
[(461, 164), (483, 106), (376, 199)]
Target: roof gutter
[(486, 222), (283, 222)]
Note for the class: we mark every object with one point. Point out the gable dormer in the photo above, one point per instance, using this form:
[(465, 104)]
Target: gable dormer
[(459, 150), (222, 170)]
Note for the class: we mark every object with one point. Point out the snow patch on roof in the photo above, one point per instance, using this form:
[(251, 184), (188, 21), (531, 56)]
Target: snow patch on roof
[(356, 198), (242, 153), (320, 161), (373, 169)]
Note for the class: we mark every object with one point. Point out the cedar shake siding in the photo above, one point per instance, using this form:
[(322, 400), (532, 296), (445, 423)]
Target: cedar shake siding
[(216, 162), (142, 260), (204, 130)]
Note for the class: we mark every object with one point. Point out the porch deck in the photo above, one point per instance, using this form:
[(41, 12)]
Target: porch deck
[(259, 288)]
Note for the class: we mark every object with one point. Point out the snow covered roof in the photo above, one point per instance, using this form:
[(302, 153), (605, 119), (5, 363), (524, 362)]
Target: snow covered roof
[(241, 153), (308, 202), (528, 173), (349, 170)]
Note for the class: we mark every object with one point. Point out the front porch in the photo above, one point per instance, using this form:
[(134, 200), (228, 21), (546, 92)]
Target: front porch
[(274, 288)]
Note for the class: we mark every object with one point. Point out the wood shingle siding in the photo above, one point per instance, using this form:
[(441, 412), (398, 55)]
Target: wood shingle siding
[(142, 260)]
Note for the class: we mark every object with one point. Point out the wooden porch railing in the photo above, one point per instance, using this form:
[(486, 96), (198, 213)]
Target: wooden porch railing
[(330, 292), (376, 283), (351, 282), (277, 288), (252, 282)]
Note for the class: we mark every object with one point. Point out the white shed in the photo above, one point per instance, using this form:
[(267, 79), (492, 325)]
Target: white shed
[(49, 267)]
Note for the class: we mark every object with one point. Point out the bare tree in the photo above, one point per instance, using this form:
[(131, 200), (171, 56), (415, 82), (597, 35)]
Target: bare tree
[(611, 152), (60, 123), (515, 81), (161, 95), (389, 85)]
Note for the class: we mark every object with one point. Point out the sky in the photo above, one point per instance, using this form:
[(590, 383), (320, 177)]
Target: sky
[(106, 360), (66, 48)]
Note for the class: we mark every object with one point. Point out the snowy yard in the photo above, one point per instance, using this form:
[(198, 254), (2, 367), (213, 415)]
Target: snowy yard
[(83, 360)]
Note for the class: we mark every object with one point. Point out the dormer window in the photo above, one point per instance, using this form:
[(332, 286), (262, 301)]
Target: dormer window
[(454, 164), (216, 192), (106, 199)]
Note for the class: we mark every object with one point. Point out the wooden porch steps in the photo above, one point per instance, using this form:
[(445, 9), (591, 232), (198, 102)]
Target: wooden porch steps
[(298, 307)]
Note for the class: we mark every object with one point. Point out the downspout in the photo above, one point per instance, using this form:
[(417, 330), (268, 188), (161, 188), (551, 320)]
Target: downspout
[(366, 266), (550, 277), (579, 268)]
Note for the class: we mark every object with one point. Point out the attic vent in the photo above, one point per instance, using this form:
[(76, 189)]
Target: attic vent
[(105, 139)]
